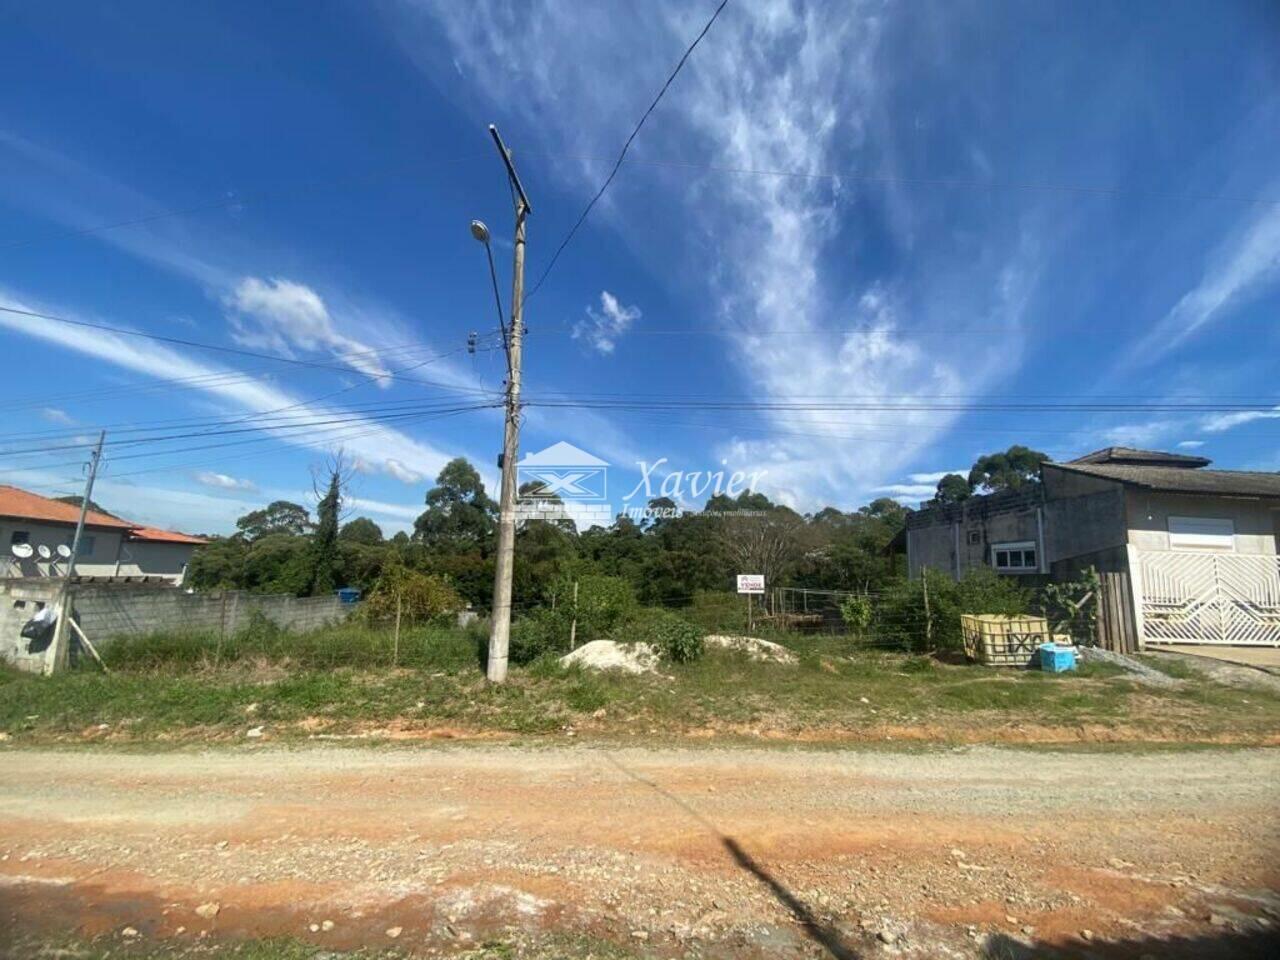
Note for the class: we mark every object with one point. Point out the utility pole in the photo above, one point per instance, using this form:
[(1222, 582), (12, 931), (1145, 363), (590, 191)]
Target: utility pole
[(60, 652), (500, 630)]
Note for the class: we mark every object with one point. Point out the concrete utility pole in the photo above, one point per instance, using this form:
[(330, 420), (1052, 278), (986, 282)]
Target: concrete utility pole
[(59, 653), (500, 630)]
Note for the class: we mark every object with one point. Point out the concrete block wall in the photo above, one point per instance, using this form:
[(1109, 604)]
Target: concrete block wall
[(106, 612)]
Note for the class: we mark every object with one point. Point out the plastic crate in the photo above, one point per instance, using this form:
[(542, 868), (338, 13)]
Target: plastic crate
[(1057, 657), (1001, 640)]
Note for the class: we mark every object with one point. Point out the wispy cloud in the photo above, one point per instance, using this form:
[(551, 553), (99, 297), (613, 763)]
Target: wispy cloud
[(1226, 421), (602, 328), (1240, 268), (1190, 444), (54, 415), (776, 86), (402, 473), (281, 315), (362, 437), (223, 481)]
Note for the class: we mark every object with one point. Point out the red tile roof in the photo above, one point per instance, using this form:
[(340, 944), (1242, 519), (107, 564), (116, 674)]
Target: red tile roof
[(24, 505), (154, 535)]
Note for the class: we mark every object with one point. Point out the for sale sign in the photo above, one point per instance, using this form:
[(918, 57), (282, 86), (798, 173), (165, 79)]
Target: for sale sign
[(751, 583)]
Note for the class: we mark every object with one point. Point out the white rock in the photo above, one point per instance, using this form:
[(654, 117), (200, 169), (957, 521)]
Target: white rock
[(208, 910), (394, 932), (753, 647), (611, 655), (326, 926), (128, 932), (253, 732)]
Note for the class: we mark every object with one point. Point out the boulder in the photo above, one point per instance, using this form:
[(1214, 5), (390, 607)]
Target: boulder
[(753, 647), (611, 655)]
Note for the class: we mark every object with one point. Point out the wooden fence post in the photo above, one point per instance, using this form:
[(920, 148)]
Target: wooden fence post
[(395, 646), (573, 627)]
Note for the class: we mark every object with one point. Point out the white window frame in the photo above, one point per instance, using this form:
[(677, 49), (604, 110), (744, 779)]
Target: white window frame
[(1020, 547), (1222, 540)]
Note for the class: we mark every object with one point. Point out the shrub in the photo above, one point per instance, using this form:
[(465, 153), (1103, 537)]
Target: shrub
[(541, 632), (420, 596), (672, 636), (717, 611), (856, 612), (602, 604), (901, 615)]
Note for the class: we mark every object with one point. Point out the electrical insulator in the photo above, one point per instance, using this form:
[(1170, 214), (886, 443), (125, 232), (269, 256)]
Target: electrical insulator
[(471, 342)]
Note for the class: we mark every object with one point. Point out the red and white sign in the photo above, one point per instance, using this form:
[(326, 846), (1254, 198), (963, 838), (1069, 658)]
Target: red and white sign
[(751, 583)]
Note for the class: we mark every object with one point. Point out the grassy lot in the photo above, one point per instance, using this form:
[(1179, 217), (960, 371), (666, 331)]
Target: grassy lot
[(341, 682)]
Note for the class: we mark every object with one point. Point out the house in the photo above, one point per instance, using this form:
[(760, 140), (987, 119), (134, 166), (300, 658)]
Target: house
[(33, 528), (1199, 545)]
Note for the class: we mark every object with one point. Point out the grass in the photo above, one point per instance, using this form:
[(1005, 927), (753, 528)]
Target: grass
[(342, 682)]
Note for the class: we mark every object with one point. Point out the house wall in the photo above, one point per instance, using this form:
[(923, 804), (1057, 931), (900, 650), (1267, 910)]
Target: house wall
[(936, 546), (99, 562), (1149, 513), (151, 559), (1087, 527)]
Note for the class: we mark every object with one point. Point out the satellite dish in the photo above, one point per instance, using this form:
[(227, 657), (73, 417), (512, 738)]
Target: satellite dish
[(45, 552), (64, 551), (22, 550)]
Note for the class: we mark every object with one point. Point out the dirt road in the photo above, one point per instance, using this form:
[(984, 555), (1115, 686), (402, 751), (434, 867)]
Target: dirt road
[(672, 852)]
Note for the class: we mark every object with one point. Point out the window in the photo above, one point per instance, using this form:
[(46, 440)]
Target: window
[(1201, 533), (19, 536), (1017, 557), (975, 537)]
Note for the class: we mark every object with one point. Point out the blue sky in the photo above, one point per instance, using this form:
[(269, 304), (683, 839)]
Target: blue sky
[(898, 201)]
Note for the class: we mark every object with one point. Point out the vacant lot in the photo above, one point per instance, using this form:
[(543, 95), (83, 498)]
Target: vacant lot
[(342, 683), (684, 852)]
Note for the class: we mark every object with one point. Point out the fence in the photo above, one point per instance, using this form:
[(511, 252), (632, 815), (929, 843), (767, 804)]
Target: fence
[(105, 612)]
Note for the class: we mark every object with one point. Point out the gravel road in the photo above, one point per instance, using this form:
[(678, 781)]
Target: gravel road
[(668, 852)]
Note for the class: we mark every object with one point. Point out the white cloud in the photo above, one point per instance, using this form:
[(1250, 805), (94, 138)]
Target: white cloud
[(223, 481), (1241, 268), (360, 436), (1226, 421), (402, 473), (291, 315), (936, 476), (914, 491), (1190, 444), (776, 86), (54, 415), (605, 326)]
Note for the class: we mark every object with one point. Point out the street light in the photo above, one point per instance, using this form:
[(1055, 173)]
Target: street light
[(481, 233)]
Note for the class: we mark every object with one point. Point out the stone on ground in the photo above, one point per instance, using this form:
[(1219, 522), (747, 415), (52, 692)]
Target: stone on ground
[(611, 655), (753, 647)]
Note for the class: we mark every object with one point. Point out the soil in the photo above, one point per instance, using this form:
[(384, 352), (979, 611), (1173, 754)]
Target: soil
[(680, 852)]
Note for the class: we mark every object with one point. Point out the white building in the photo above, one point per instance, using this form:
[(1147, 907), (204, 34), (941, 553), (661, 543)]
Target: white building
[(32, 528)]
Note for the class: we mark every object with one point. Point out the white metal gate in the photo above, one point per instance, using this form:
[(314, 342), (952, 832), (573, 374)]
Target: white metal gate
[(1189, 597)]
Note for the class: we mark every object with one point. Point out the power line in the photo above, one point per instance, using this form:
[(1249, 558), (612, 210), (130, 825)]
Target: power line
[(625, 147)]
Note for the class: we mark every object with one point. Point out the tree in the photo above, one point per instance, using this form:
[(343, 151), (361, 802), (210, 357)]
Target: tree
[(75, 500), (325, 560), (281, 516), (759, 536), (361, 530), (953, 488), (459, 513), (1014, 469)]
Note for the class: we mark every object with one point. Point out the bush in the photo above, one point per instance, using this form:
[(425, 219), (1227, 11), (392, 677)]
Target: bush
[(672, 636), (602, 604), (541, 632), (420, 596), (856, 612), (900, 617), (716, 611)]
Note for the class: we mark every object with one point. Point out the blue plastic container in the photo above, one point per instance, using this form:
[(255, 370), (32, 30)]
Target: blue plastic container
[(1057, 658), (348, 594)]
